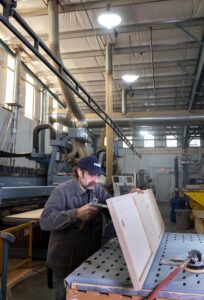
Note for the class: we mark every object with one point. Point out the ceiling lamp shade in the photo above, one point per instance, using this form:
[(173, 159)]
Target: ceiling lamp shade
[(130, 78), (109, 20)]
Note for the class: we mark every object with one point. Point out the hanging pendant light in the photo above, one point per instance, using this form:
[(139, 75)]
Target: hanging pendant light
[(129, 78), (109, 19)]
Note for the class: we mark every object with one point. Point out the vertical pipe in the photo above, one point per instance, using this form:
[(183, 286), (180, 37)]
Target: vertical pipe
[(124, 101), (42, 119), (152, 62), (16, 97), (176, 177), (54, 45), (109, 111)]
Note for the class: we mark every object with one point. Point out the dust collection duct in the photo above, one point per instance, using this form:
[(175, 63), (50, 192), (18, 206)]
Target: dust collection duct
[(168, 118), (63, 119), (55, 48)]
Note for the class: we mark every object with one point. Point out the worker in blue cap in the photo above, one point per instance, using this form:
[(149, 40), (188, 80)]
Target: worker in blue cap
[(75, 224)]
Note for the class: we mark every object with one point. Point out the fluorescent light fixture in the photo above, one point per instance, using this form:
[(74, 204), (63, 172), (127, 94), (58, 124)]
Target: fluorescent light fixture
[(130, 78), (109, 20)]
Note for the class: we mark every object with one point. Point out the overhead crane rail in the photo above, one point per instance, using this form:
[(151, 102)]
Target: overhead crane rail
[(70, 81)]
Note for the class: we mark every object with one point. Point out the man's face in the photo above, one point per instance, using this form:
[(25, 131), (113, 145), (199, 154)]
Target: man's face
[(86, 180)]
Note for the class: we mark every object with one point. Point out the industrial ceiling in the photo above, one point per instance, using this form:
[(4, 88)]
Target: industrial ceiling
[(161, 41)]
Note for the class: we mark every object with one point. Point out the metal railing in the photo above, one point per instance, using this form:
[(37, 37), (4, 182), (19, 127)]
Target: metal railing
[(20, 252)]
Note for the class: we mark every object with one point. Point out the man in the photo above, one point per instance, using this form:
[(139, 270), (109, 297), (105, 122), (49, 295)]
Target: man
[(75, 225)]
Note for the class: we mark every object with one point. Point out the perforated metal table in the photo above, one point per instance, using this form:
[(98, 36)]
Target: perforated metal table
[(105, 274)]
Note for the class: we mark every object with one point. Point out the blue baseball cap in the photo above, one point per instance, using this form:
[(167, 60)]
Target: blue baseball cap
[(91, 164)]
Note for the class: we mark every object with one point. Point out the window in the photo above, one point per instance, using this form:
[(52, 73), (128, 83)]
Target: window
[(9, 79), (149, 141), (130, 140), (195, 142), (29, 97), (171, 141)]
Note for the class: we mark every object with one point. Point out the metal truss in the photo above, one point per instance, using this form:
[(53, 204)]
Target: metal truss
[(60, 71)]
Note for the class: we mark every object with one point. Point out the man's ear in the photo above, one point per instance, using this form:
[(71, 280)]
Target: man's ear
[(79, 172)]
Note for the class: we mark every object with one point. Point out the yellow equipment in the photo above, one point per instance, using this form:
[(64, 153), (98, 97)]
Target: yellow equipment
[(196, 199)]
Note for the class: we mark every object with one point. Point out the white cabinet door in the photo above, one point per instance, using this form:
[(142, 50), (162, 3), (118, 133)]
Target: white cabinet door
[(139, 228)]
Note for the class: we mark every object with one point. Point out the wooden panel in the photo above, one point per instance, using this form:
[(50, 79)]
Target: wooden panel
[(139, 228)]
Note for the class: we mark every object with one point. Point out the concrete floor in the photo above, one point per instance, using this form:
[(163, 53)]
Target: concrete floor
[(35, 287), (174, 227), (32, 287)]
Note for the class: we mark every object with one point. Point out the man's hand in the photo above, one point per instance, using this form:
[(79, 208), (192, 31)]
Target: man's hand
[(86, 212), (137, 190)]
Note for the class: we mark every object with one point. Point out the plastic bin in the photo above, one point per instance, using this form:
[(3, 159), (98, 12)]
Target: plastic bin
[(183, 218), (176, 203)]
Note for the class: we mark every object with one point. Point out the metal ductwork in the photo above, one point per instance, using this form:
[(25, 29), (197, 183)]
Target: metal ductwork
[(154, 118), (55, 48), (77, 149), (61, 118)]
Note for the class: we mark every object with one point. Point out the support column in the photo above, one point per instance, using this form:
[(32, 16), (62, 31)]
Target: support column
[(109, 111)]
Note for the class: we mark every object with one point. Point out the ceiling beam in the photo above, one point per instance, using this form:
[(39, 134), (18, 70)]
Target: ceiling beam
[(66, 8), (143, 80), (122, 29), (124, 50), (142, 90), (164, 95), (138, 66)]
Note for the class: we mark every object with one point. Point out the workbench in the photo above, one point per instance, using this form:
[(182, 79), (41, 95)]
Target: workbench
[(105, 276), (28, 216)]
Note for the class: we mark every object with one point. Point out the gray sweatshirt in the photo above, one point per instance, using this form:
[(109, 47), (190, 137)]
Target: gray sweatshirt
[(71, 241)]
